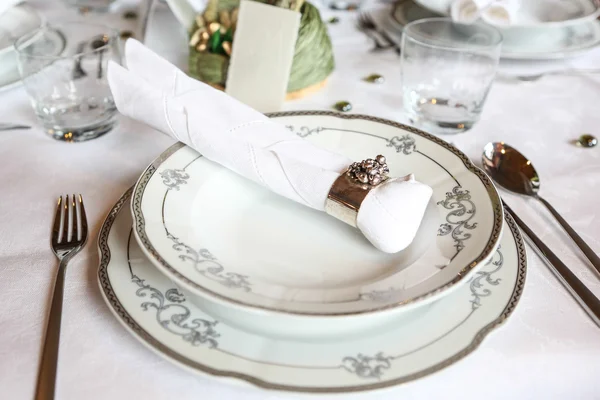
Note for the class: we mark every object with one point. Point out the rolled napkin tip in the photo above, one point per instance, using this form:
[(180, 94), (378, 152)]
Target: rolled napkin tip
[(467, 11), (501, 13), (398, 207)]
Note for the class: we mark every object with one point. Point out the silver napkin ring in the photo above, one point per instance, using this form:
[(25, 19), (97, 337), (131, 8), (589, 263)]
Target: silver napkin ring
[(351, 188)]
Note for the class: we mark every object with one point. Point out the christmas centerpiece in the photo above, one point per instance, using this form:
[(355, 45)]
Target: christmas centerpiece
[(211, 44)]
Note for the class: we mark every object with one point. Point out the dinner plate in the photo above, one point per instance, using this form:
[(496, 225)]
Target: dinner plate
[(148, 304), (14, 23), (520, 43), (536, 13), (232, 242)]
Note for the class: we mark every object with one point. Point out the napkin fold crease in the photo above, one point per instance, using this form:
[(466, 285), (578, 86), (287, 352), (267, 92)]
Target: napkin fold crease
[(247, 142)]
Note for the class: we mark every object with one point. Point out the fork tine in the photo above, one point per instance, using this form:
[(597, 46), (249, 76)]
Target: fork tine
[(57, 219), (65, 218), (74, 220), (84, 226)]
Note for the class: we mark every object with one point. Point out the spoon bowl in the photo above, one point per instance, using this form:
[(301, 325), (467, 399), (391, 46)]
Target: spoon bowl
[(514, 172), (510, 169)]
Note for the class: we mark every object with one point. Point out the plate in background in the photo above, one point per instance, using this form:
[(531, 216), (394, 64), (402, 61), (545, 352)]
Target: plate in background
[(536, 13), (521, 43)]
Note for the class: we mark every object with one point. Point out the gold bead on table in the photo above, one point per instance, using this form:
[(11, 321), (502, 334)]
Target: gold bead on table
[(343, 106), (375, 78), (587, 140)]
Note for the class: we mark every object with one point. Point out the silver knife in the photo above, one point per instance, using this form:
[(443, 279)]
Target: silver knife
[(588, 301)]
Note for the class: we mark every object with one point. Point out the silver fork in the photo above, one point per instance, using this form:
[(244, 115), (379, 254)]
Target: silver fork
[(64, 248), (381, 39)]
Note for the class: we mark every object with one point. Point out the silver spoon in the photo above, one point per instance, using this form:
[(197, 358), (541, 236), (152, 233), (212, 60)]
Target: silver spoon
[(513, 171)]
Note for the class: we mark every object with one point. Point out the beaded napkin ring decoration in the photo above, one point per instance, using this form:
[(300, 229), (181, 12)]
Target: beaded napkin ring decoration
[(351, 188)]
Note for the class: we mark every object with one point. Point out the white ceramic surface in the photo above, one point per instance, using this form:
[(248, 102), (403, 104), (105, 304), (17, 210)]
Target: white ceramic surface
[(521, 43), (237, 245), (159, 315), (536, 13), (14, 22)]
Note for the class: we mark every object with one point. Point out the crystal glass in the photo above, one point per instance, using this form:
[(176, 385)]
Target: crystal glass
[(447, 70), (63, 68)]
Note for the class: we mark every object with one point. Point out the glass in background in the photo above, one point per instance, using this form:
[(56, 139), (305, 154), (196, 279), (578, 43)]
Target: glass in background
[(447, 70), (63, 68)]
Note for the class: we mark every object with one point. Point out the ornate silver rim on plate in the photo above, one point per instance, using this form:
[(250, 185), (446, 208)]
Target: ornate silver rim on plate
[(404, 145), (361, 371)]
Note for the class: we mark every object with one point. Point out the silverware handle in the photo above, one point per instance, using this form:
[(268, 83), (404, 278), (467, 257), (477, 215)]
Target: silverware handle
[(379, 40), (47, 372), (392, 42), (589, 253), (11, 127), (588, 301)]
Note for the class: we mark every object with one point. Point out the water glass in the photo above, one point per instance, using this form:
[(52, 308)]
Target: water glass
[(63, 68), (447, 70)]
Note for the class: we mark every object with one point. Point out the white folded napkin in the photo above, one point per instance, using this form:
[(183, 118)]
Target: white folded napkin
[(232, 134), (494, 12)]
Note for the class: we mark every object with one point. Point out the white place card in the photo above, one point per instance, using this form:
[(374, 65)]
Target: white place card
[(263, 50)]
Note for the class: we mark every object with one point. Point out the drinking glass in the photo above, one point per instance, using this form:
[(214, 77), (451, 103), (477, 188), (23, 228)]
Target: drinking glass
[(63, 68), (447, 70)]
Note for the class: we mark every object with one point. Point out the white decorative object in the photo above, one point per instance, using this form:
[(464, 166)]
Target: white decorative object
[(248, 143), (494, 12), (263, 51), (467, 11), (502, 12)]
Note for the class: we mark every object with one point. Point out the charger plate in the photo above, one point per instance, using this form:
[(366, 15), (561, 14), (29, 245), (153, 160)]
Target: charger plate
[(148, 304), (224, 238)]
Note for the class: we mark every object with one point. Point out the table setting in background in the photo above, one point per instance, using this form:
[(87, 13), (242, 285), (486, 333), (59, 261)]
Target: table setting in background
[(279, 199)]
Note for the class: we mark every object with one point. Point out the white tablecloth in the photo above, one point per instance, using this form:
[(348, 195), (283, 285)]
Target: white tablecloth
[(548, 349)]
